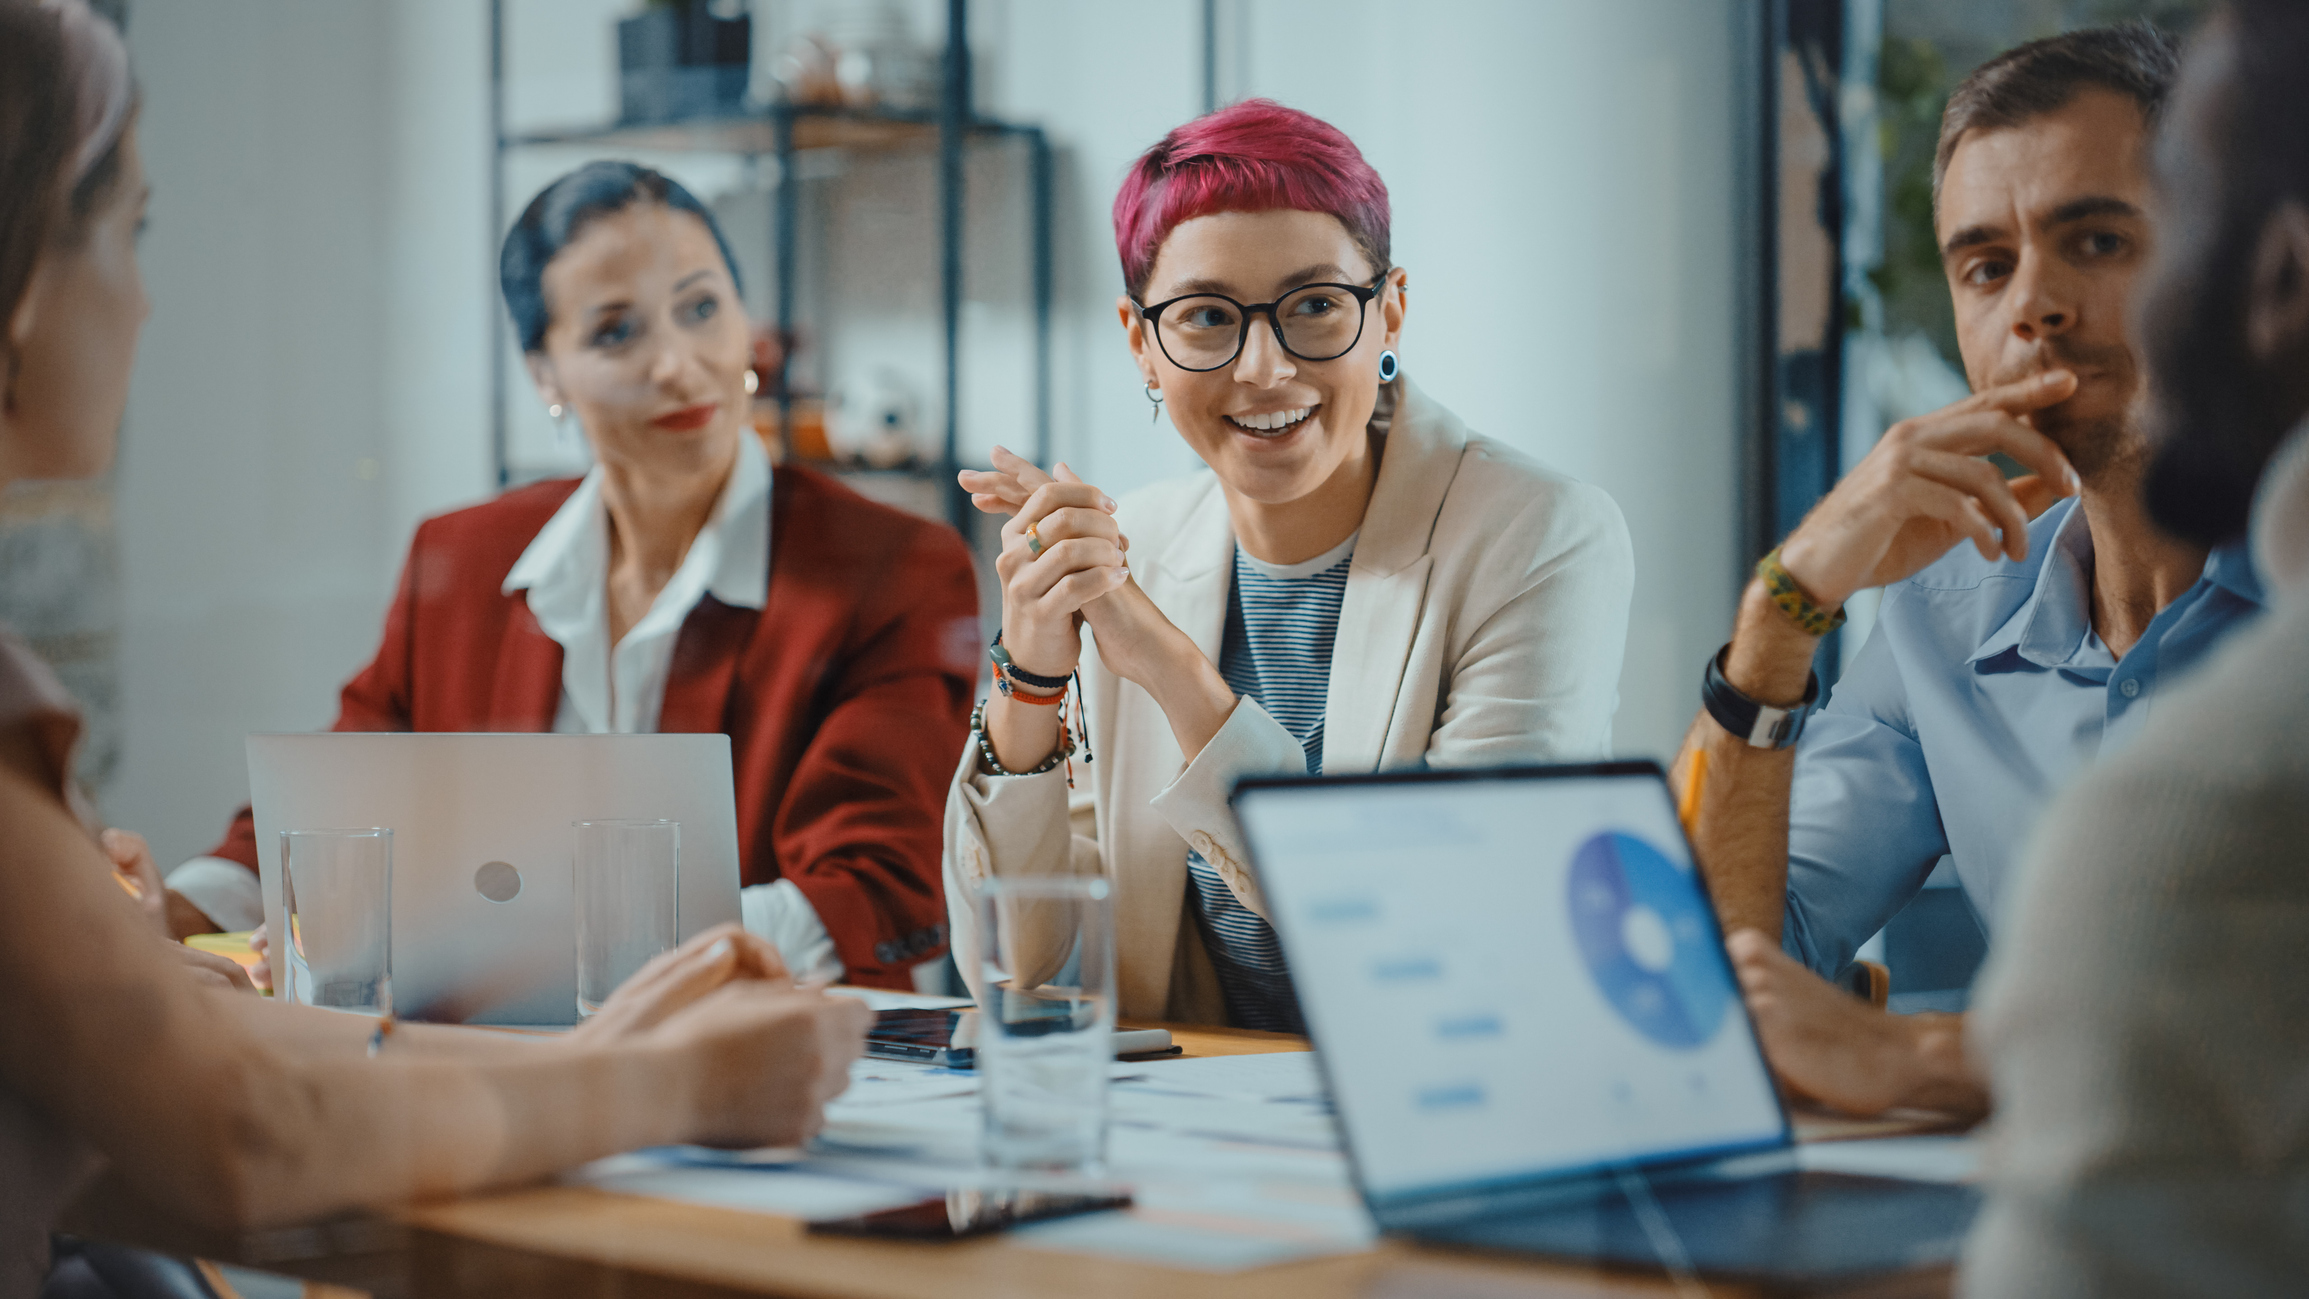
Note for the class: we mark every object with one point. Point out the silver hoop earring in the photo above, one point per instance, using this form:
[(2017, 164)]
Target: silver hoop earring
[(1389, 367), (1154, 398)]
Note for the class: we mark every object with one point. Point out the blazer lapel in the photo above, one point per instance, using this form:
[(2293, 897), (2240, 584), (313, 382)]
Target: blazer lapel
[(528, 688), (1387, 584), (705, 661), (715, 637), (1193, 578)]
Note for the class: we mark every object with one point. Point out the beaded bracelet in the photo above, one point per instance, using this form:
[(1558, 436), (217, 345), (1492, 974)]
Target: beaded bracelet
[(1791, 599), (994, 765)]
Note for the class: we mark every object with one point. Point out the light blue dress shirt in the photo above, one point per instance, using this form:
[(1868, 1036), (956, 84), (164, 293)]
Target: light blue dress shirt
[(1982, 691)]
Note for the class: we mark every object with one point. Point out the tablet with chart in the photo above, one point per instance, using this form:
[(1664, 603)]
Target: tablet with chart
[(1527, 971)]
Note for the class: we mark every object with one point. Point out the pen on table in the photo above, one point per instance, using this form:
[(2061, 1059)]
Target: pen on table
[(1695, 777)]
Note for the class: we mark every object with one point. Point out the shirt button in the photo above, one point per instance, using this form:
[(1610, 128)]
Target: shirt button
[(2130, 687)]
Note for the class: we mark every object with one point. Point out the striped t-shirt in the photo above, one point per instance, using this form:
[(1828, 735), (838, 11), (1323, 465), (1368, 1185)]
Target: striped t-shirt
[(1280, 626)]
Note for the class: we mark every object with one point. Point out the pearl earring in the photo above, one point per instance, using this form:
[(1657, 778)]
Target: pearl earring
[(554, 409), (753, 383)]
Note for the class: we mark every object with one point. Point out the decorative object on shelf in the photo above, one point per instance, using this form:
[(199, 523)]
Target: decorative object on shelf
[(681, 59), (861, 54), (876, 423), (806, 430), (805, 72)]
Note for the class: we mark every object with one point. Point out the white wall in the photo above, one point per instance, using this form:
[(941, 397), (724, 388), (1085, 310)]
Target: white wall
[(314, 379)]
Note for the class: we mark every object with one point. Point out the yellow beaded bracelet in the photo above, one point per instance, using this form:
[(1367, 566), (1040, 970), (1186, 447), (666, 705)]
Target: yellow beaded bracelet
[(1791, 598)]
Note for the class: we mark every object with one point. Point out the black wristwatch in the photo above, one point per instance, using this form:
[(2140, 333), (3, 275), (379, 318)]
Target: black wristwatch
[(1761, 725)]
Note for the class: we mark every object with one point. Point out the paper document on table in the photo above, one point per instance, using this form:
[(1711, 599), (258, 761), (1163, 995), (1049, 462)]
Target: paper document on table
[(883, 999), (897, 1082), (1299, 1124), (792, 1190), (1217, 1204), (1220, 1182), (1918, 1159), (1275, 1076)]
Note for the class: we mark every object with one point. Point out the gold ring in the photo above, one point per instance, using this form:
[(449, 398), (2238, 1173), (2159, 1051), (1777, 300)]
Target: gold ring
[(1033, 542)]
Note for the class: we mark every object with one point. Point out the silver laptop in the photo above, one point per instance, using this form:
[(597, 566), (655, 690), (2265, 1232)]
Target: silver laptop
[(1532, 1036), (459, 803)]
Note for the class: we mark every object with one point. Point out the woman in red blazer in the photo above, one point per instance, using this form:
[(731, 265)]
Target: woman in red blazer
[(639, 599)]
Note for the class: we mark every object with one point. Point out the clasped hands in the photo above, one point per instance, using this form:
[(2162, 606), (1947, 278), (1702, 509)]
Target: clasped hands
[(1074, 569), (1061, 576)]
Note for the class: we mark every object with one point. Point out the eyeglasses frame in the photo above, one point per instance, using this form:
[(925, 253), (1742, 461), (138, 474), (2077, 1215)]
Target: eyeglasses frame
[(1364, 293)]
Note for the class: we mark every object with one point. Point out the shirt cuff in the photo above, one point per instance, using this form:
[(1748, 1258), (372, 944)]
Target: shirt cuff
[(779, 912), (225, 891)]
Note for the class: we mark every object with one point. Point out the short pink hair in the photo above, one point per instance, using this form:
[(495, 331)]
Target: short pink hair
[(1254, 156)]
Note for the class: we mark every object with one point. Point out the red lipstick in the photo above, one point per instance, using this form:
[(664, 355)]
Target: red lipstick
[(689, 418)]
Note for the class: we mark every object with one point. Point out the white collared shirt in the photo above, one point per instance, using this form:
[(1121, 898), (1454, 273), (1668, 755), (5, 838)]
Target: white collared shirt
[(616, 689), (621, 689)]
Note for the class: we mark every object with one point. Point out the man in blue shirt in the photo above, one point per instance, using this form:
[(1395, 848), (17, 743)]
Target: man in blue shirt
[(2008, 653)]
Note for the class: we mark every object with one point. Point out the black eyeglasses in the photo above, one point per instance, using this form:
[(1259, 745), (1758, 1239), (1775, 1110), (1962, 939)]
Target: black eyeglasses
[(1314, 322)]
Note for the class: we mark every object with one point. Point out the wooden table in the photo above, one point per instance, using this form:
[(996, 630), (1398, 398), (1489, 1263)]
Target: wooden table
[(560, 1240)]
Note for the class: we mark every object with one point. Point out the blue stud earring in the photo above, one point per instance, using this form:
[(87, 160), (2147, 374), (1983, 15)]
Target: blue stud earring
[(1389, 367)]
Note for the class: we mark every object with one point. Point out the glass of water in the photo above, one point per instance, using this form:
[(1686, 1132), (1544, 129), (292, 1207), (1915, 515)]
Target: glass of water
[(628, 897), (1045, 1042), (337, 908)]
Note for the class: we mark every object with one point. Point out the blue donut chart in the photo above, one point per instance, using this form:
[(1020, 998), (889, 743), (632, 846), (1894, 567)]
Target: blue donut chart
[(1680, 1006)]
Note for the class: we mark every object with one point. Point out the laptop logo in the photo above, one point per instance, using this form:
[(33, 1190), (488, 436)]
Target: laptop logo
[(497, 881)]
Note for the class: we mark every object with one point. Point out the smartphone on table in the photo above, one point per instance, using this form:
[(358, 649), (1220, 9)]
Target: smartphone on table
[(970, 1212)]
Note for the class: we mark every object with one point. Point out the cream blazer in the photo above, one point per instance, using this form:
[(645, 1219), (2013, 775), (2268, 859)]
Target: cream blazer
[(1484, 619)]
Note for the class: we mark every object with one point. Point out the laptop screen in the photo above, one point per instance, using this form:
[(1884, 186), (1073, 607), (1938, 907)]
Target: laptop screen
[(1511, 975)]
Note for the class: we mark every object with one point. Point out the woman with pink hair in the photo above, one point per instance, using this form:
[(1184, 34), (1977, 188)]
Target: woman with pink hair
[(1360, 582)]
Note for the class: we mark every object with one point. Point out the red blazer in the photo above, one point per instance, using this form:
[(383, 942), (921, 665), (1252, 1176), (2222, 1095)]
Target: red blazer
[(846, 699)]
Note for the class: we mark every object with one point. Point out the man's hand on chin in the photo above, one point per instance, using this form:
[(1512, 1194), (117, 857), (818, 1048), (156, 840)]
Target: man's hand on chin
[(1834, 1048)]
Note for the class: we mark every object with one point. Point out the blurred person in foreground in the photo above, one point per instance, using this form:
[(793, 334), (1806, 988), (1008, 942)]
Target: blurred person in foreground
[(2028, 625), (211, 1103), (2146, 1022), (1360, 581), (685, 584)]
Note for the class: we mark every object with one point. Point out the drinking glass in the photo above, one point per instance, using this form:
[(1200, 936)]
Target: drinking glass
[(1046, 1021), (337, 906), (628, 897)]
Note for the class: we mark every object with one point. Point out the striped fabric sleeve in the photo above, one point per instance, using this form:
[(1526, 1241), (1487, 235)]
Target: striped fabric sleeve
[(1281, 625)]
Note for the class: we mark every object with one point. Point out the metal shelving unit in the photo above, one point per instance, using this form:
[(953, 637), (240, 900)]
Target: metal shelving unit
[(781, 131)]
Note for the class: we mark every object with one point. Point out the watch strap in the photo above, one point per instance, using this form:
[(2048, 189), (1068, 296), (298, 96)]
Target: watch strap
[(1761, 726)]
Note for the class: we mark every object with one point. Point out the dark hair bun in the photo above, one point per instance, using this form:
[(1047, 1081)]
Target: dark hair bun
[(556, 216)]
